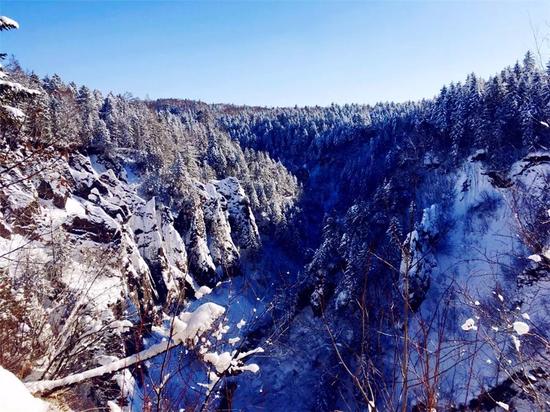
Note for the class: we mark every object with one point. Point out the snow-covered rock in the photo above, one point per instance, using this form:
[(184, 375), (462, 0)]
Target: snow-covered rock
[(240, 213), (419, 262), (125, 259), (15, 397)]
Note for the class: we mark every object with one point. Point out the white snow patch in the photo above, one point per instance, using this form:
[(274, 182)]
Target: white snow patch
[(18, 88), (243, 355), (14, 112), (7, 22), (516, 341), (15, 396), (203, 290), (190, 324), (521, 328), (470, 324), (251, 367), (98, 167), (121, 325), (535, 258), (74, 207), (503, 405), (233, 341), (113, 407), (221, 362)]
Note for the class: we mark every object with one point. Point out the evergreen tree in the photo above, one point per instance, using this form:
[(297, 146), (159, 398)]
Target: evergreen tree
[(12, 94)]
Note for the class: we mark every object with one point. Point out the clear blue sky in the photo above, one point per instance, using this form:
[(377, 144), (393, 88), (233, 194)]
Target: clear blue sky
[(272, 52)]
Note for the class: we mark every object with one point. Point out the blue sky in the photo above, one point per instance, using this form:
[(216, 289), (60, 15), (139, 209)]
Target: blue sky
[(274, 53)]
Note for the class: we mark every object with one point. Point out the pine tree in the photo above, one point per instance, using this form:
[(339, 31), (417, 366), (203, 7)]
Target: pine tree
[(11, 95), (89, 114), (63, 106), (528, 63), (38, 115)]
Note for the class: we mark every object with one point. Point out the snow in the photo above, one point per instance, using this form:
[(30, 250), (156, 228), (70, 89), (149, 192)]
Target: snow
[(243, 355), (132, 178), (15, 397), (503, 405), (233, 341), (202, 291), (74, 207), (251, 367), (8, 23), (159, 242), (245, 227), (213, 379), (129, 389), (14, 112), (470, 324), (238, 296), (46, 385), (113, 407), (190, 324), (18, 88), (198, 251), (482, 236), (429, 220), (372, 406), (535, 258), (221, 362), (229, 362), (343, 298), (19, 247), (521, 328), (516, 342), (222, 248), (175, 253), (121, 325), (144, 220)]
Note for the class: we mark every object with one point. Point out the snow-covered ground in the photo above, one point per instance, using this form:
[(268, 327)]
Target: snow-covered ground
[(473, 291), (15, 397)]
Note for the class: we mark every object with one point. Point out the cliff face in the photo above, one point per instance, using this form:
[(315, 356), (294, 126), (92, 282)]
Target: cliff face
[(94, 248)]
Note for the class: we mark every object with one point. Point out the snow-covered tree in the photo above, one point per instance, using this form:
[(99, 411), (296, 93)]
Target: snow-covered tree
[(11, 95)]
